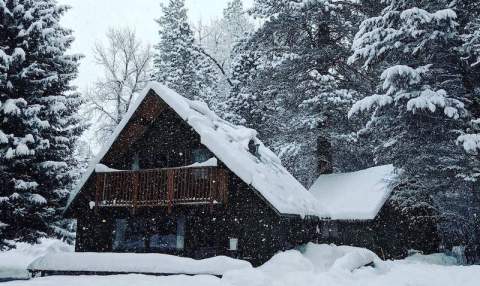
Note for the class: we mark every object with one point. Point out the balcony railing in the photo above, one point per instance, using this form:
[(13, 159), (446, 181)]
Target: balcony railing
[(162, 187)]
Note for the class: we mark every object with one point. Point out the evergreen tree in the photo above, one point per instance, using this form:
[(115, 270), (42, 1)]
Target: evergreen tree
[(469, 25), (38, 121), (419, 109), (292, 83), (178, 62)]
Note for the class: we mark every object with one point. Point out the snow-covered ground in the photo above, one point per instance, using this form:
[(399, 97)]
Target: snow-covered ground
[(313, 265), (13, 263)]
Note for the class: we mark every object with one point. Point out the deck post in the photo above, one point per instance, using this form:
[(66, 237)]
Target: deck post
[(170, 188), (136, 186), (99, 187)]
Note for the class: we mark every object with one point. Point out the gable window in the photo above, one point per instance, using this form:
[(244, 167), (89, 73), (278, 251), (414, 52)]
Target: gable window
[(136, 162), (200, 155)]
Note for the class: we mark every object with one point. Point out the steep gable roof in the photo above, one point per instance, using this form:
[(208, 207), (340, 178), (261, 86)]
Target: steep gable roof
[(229, 143), (355, 195)]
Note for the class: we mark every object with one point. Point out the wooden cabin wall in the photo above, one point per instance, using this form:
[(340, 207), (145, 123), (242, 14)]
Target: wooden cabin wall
[(390, 235), (261, 231), (167, 142), (94, 233)]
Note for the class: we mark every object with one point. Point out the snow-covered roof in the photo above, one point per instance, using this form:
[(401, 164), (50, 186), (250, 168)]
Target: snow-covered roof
[(229, 143), (355, 195)]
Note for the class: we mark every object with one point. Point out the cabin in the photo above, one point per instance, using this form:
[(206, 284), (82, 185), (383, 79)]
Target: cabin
[(362, 213), (175, 178)]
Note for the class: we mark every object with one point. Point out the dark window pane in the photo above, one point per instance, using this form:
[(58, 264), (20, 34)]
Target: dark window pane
[(149, 234), (201, 155)]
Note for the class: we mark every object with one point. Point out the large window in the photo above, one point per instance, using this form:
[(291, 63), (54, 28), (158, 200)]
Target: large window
[(149, 234)]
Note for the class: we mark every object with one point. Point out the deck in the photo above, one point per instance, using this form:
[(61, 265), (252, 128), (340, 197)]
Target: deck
[(166, 187)]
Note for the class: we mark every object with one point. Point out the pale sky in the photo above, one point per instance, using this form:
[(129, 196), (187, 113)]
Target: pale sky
[(90, 19)]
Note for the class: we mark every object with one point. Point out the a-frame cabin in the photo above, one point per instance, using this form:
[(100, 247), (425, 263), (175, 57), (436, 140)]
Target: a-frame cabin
[(175, 178)]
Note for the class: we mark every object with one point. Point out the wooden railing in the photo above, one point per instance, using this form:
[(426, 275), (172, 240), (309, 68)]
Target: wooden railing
[(162, 187)]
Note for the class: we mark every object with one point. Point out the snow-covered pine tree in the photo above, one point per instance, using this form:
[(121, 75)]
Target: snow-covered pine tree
[(419, 109), (292, 82), (178, 63), (469, 19), (38, 120)]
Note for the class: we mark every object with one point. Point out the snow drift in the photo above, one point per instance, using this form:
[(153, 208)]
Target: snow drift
[(155, 263)]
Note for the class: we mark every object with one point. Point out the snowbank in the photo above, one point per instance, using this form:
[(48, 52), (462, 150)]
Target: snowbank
[(122, 280), (355, 195), (332, 265), (314, 265), (136, 263), (13, 263), (339, 258), (434, 259)]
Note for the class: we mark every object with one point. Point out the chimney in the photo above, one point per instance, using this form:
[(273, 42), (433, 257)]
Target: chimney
[(324, 156)]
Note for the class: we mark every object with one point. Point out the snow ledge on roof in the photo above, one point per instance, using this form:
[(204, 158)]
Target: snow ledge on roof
[(355, 195)]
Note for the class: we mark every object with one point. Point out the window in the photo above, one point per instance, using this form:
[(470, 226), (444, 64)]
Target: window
[(129, 235), (200, 155), (136, 162), (329, 229), (149, 234), (180, 232), (162, 234)]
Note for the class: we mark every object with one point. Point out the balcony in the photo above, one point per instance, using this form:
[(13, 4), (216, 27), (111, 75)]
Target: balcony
[(162, 187)]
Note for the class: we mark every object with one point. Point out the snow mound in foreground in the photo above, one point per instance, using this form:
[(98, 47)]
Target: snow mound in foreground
[(13, 263), (339, 258), (288, 266), (321, 264), (314, 264), (155, 263)]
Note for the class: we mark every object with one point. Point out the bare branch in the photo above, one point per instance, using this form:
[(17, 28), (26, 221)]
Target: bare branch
[(220, 67), (126, 64)]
